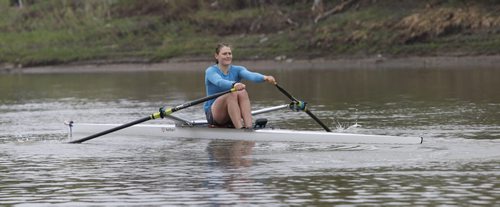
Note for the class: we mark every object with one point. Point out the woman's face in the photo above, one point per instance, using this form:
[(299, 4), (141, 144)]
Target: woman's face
[(225, 56)]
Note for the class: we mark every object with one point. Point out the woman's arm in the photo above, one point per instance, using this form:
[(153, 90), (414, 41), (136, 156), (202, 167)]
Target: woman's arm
[(214, 78), (256, 77)]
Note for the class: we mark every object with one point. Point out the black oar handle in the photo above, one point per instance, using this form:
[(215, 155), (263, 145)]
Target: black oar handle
[(306, 110)]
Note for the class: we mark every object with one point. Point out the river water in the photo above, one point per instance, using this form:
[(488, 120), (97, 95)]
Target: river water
[(456, 111)]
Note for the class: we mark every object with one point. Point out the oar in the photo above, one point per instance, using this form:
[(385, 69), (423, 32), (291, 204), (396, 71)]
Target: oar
[(304, 107), (162, 113)]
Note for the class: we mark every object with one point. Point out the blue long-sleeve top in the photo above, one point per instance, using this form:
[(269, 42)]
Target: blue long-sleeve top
[(216, 81)]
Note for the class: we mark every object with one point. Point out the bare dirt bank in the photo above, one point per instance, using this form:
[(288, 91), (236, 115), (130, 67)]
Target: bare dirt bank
[(379, 62)]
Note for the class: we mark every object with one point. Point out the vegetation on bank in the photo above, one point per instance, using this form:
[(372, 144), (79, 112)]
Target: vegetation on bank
[(63, 31)]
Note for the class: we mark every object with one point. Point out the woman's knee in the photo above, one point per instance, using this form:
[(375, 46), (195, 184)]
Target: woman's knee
[(242, 94), (232, 96)]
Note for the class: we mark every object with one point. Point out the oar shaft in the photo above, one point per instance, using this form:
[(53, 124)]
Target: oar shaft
[(163, 112), (317, 120), (201, 100), (286, 93), (111, 130), (306, 110)]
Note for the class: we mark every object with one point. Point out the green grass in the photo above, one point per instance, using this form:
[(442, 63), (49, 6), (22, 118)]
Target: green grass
[(62, 31)]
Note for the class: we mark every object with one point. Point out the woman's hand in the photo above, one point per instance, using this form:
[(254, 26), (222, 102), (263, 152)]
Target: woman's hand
[(270, 79), (239, 86)]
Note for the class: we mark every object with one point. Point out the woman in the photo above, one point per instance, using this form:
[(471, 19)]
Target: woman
[(234, 107)]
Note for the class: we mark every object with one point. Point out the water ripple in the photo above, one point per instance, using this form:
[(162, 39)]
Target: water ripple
[(458, 163)]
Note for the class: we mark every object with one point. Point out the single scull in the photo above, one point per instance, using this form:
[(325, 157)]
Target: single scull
[(199, 129), (264, 134)]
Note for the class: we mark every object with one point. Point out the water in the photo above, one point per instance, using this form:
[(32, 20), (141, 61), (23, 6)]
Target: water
[(457, 111)]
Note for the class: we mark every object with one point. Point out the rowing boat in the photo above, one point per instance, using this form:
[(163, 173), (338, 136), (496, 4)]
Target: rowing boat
[(199, 129), (266, 134), (260, 135)]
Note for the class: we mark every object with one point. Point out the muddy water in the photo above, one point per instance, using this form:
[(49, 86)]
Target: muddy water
[(457, 111)]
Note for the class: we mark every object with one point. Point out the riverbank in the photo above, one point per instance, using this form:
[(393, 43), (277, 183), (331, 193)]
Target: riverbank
[(46, 33), (379, 62)]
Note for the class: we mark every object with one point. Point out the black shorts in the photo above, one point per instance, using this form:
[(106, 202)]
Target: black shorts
[(211, 121), (210, 117)]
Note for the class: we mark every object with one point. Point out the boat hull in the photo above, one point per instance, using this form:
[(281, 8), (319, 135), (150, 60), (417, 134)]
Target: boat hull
[(78, 130)]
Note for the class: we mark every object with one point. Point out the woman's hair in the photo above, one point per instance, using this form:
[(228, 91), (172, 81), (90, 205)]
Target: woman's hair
[(220, 46)]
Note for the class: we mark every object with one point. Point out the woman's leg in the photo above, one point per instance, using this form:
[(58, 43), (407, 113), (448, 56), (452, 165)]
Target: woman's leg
[(234, 106), (226, 108), (245, 108)]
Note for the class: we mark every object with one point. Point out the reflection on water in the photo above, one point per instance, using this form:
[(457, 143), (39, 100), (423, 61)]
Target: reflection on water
[(231, 153), (457, 111)]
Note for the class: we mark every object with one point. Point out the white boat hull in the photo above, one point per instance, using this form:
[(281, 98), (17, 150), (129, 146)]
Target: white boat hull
[(79, 130)]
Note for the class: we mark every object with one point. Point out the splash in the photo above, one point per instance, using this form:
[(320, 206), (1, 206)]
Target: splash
[(342, 127)]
